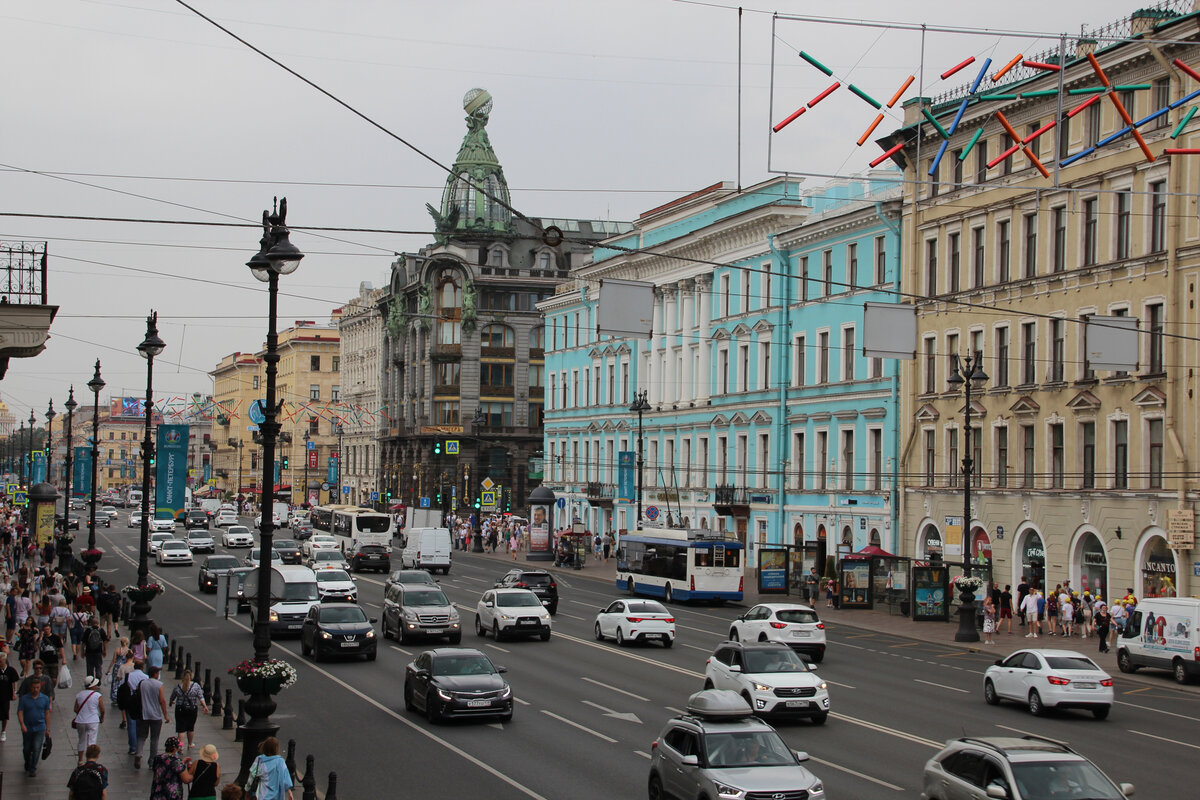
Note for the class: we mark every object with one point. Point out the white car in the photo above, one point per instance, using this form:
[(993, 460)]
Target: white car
[(237, 536), (162, 524), (636, 621), (252, 558), (275, 521), (327, 559), (157, 539), (336, 586), (511, 612), (199, 539), (175, 551), (319, 542), (135, 520), (108, 511), (770, 677), (795, 625), (226, 518), (1048, 679)]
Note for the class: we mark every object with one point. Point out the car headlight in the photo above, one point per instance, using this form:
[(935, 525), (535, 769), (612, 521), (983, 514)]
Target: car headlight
[(761, 687), (371, 634), (274, 616), (727, 792), (453, 614), (822, 686), (326, 635), (816, 789), (506, 616), (442, 693), (507, 693), (410, 614)]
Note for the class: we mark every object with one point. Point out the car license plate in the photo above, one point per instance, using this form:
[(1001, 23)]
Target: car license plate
[(435, 631), (801, 634), (349, 644), (478, 703), (1084, 685), (797, 704), (295, 627), (655, 635), (545, 602)]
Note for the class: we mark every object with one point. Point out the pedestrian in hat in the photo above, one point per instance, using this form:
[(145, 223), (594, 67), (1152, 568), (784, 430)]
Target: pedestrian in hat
[(89, 713), (203, 775)]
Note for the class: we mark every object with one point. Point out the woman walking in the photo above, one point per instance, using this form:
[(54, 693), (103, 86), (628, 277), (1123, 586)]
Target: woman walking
[(156, 647), (1102, 620), (989, 620), (167, 771), (270, 772), (137, 643), (89, 713), (27, 645), (79, 621), (188, 699), (203, 776)]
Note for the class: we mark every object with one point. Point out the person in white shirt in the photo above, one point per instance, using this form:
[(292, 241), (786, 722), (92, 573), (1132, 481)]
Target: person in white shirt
[(1030, 608), (1066, 614)]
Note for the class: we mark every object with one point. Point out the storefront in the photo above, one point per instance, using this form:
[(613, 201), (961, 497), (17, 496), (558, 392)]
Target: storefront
[(929, 544), (1031, 554), (1157, 568), (981, 547), (1092, 566)]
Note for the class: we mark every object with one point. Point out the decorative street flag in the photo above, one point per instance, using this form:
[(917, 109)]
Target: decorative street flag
[(171, 472), (81, 471), (625, 476)]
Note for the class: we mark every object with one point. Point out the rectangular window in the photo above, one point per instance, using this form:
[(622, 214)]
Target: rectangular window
[(743, 381), (1064, 138), (723, 369), (804, 278), (876, 459), (951, 353), (954, 262), (1155, 432), (931, 283), (1087, 432), (1090, 222), (1001, 374), (1031, 247), (798, 456), (1121, 455), (1059, 256), (976, 456), (725, 295), (930, 457), (851, 267), (1091, 124), (1035, 145), (1027, 461), (933, 178), (314, 392), (823, 356), (930, 365), (801, 375), (1029, 353), (764, 366), (977, 243), (314, 363), (956, 158), (952, 465), (1004, 252), (848, 460), (822, 455), (1058, 349), (1087, 373), (314, 426), (1002, 457), (827, 271), (335, 393), (745, 299), (254, 382), (1124, 204), (848, 354), (1057, 450), (765, 284), (876, 367), (1154, 323), (1158, 215), (880, 261), (981, 159), (1162, 99)]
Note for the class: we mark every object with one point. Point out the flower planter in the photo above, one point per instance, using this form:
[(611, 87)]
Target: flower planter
[(91, 556), (254, 684), (141, 595)]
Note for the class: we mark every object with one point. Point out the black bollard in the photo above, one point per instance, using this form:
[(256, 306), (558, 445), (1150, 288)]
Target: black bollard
[(310, 780), (331, 792), (208, 690), (179, 664), (227, 720), (171, 657), (241, 720), (196, 673), (290, 760), (187, 662), (215, 705)]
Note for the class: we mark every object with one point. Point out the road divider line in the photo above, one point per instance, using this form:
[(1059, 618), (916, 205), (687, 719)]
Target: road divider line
[(856, 773), (572, 616), (522, 702), (1165, 739), (835, 683), (1157, 710), (400, 650), (907, 644), (498, 647), (1018, 730), (644, 755), (694, 647), (604, 685), (941, 686), (583, 728), (1135, 691), (908, 737)]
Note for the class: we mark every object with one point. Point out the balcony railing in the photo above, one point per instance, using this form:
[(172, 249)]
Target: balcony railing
[(597, 491), (23, 273), (730, 495)]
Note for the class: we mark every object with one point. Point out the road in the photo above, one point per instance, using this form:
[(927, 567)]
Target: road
[(587, 711)]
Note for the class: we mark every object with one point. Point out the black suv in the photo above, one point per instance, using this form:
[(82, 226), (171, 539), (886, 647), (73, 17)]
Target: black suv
[(211, 568), (196, 518), (535, 580), (370, 556), (289, 551)]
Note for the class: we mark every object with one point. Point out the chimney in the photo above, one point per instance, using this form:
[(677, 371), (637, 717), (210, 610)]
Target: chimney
[(1084, 46), (1144, 20)]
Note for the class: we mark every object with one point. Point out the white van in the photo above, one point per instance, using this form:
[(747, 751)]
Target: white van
[(1164, 632), (427, 548), (293, 593)]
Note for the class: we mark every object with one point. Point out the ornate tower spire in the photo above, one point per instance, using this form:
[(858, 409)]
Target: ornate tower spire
[(469, 201)]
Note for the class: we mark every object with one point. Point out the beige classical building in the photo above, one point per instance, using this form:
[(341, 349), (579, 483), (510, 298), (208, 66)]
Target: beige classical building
[(360, 330), (1076, 468)]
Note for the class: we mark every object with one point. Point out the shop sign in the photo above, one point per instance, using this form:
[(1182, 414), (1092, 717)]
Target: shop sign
[(1034, 553), (1165, 566), (1181, 528), (1094, 558)]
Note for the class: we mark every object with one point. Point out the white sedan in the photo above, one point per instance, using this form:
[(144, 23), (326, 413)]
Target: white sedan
[(135, 520), (336, 586), (797, 626), (226, 518), (636, 621), (237, 536), (1048, 679), (320, 542), (108, 511), (157, 540), (173, 552), (276, 522)]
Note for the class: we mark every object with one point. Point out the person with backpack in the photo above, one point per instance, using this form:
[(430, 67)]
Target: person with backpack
[(79, 620), (152, 715), (89, 713), (89, 780), (188, 699), (129, 700), (95, 648)]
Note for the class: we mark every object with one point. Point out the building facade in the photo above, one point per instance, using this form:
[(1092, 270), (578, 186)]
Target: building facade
[(1076, 468), (360, 332)]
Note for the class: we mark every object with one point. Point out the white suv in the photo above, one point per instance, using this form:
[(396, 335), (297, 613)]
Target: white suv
[(770, 677), (795, 625), (511, 612)]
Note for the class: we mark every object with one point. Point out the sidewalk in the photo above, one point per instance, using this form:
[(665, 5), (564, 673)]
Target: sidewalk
[(123, 780), (884, 621)]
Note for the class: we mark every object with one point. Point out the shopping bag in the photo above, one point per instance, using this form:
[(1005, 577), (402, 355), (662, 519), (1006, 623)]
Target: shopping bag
[(64, 677), (46, 745)]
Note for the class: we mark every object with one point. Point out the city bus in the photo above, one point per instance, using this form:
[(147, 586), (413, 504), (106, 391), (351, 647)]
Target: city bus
[(694, 564), (322, 516)]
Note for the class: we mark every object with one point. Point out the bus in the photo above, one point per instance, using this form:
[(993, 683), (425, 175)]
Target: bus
[(694, 564), (362, 525), (322, 516)]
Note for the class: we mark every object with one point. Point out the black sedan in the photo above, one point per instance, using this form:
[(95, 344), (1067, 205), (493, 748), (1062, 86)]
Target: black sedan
[(289, 551), (211, 568), (337, 629), (103, 520), (457, 682), (71, 523)]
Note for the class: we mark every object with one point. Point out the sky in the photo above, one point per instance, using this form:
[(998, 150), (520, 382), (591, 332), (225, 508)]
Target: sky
[(141, 109)]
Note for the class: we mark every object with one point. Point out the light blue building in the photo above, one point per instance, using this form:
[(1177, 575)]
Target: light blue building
[(765, 418)]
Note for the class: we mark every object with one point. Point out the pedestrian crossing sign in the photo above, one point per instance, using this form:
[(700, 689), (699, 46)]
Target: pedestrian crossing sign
[(487, 499), (452, 447)]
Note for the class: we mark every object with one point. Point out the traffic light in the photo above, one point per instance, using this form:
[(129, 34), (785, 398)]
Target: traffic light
[(389, 494), (437, 448), (285, 462), (477, 502), (152, 459), (439, 498)]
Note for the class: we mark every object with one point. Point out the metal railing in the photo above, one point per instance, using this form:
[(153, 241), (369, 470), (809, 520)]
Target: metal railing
[(24, 273)]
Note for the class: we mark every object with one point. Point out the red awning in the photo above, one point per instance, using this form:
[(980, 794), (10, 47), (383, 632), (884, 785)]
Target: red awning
[(870, 551)]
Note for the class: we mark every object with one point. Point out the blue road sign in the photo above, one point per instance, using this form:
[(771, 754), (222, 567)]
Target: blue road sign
[(452, 447), (310, 445), (562, 502), (374, 497), (424, 502), (345, 490), (20, 499)]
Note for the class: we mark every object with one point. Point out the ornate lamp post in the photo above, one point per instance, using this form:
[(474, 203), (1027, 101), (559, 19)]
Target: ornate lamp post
[(29, 451), (50, 415), (150, 347), (968, 373), (641, 406), (20, 443), (276, 256), (307, 439), (95, 384), (64, 544)]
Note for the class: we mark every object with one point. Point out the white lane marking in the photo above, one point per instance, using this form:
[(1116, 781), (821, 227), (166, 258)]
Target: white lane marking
[(608, 712), (585, 605), (1165, 739), (856, 773), (498, 647), (603, 685), (469, 578), (694, 647), (572, 616), (673, 710), (835, 683), (583, 728), (1017, 730), (908, 737), (643, 755), (633, 656), (941, 686), (1156, 710), (522, 702), (400, 650)]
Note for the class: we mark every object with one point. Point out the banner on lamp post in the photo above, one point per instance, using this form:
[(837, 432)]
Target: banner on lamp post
[(625, 476), (81, 471), (172, 469)]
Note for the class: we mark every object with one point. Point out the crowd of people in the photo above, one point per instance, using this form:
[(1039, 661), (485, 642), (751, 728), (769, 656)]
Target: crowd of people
[(1064, 612)]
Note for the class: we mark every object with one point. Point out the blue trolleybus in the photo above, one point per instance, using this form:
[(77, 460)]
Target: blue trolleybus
[(694, 564)]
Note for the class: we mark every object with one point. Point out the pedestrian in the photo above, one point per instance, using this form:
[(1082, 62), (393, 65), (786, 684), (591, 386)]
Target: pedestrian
[(512, 545), (188, 699), (166, 768), (1022, 592), (95, 648), (10, 615), (89, 713), (79, 621), (156, 647), (137, 641), (269, 774), (1006, 609), (231, 791), (153, 715), (1066, 613), (42, 612), (33, 714), (27, 645), (1120, 615), (60, 618), (606, 546), (812, 582), (1051, 610), (118, 659), (39, 677), (121, 671), (202, 775), (8, 690), (1029, 611), (989, 620), (1102, 620), (89, 781)]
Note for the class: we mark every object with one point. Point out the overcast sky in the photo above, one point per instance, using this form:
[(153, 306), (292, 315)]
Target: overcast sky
[(140, 108)]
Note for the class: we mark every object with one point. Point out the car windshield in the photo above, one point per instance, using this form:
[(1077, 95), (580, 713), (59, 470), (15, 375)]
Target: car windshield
[(747, 749), (425, 597), (1072, 662), (222, 562), (462, 665), (1048, 780), (645, 607), (517, 599), (174, 546), (776, 659), (238, 529), (286, 544), (198, 535), (301, 592), (796, 615), (331, 575), (343, 615)]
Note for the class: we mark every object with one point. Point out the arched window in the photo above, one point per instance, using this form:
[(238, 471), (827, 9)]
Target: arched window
[(497, 336), (496, 257), (449, 297), (463, 197), (537, 338), (494, 211), (545, 260)]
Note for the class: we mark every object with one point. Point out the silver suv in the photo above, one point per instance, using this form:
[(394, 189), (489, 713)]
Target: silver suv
[(1011, 768), (416, 610), (720, 749)]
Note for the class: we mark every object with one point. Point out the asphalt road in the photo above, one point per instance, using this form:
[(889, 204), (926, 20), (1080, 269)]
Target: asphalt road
[(587, 712)]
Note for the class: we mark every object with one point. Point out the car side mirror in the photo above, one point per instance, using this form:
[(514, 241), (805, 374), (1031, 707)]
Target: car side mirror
[(801, 756), (999, 662), (502, 670), (690, 761), (742, 618), (1127, 789), (997, 791), (489, 604), (735, 667), (811, 666)]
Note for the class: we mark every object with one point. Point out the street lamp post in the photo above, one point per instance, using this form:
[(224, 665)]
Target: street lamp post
[(95, 384), (150, 347), (276, 256), (50, 415), (64, 548), (29, 451), (340, 457), (20, 465), (307, 439), (968, 373), (641, 406)]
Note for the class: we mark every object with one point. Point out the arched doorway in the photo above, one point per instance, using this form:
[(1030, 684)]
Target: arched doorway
[(822, 550), (874, 540), (981, 546), (1031, 556), (798, 534), (704, 523), (1089, 565), (1156, 566), (929, 543)]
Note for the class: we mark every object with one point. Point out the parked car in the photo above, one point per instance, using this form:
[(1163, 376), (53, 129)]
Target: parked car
[(237, 536), (336, 586), (538, 581), (797, 626), (200, 541), (415, 610), (211, 568), (337, 629), (770, 677), (511, 612), (374, 557), (1049, 679), (457, 682), (174, 551), (635, 621), (1026, 768)]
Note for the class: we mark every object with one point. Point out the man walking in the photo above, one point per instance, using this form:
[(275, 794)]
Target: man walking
[(1029, 610), (33, 713), (89, 781), (1022, 592), (811, 583), (154, 714), (95, 648)]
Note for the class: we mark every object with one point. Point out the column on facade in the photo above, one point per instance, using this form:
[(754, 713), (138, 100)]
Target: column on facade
[(653, 378), (687, 342), (670, 344), (704, 290)]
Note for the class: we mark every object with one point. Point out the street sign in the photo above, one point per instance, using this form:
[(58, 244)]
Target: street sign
[(452, 447), (487, 483), (652, 513), (257, 412), (20, 498), (374, 497), (561, 502), (310, 445), (487, 499), (345, 490), (424, 502), (312, 459), (12, 489)]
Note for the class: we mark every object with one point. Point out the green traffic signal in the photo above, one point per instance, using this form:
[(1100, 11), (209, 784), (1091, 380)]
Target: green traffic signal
[(285, 462)]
